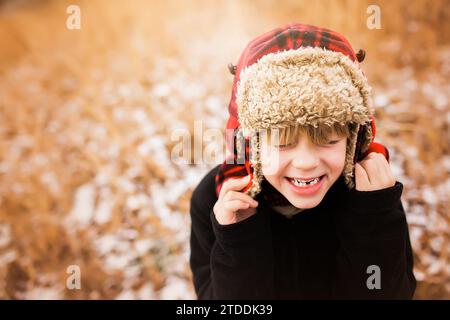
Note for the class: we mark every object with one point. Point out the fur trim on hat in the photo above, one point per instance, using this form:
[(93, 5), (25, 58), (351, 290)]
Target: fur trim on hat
[(305, 86)]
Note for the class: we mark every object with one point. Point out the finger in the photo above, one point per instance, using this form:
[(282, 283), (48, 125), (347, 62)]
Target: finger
[(233, 184), (235, 205), (362, 181), (387, 178), (371, 155), (384, 164), (235, 195), (371, 168)]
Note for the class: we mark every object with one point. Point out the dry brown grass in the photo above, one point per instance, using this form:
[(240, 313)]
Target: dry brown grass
[(85, 118)]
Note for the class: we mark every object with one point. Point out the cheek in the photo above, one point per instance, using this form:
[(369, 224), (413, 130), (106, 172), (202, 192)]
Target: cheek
[(335, 158), (272, 161)]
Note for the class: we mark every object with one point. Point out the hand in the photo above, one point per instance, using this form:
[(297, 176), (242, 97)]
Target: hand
[(373, 173), (234, 206)]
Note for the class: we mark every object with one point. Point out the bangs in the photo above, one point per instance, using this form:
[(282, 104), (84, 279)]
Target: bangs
[(320, 135)]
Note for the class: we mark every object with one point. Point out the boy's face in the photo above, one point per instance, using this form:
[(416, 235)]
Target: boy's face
[(304, 161)]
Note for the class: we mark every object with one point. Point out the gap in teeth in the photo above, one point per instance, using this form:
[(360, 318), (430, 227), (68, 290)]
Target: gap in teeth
[(304, 183)]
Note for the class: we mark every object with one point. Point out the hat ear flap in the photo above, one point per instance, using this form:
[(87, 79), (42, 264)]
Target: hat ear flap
[(358, 142), (364, 140), (360, 136)]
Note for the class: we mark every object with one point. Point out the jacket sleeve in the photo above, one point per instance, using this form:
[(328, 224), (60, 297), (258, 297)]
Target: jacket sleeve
[(375, 259), (229, 261)]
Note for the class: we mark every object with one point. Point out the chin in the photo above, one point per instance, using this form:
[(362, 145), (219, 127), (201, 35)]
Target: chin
[(304, 203)]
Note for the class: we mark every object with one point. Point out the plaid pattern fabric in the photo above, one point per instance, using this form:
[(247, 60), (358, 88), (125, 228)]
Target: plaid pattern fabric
[(288, 37)]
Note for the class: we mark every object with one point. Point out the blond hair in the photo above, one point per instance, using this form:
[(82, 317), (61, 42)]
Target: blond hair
[(320, 135)]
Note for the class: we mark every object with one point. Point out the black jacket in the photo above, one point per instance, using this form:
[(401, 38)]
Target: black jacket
[(320, 253)]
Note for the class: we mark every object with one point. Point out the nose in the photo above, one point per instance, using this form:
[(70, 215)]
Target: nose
[(305, 157)]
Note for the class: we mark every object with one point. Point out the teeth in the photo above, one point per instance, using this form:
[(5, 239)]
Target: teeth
[(303, 183)]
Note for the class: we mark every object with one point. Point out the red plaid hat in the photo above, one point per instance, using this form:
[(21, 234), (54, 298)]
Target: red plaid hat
[(291, 43)]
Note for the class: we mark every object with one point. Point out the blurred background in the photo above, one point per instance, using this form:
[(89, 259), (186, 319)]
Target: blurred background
[(86, 118)]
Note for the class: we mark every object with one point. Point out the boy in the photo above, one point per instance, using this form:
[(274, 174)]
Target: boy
[(315, 213)]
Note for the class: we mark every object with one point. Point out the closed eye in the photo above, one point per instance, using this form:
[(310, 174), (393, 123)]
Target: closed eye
[(330, 143), (284, 146)]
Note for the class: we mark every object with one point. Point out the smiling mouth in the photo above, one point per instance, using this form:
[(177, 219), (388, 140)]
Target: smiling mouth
[(305, 182)]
